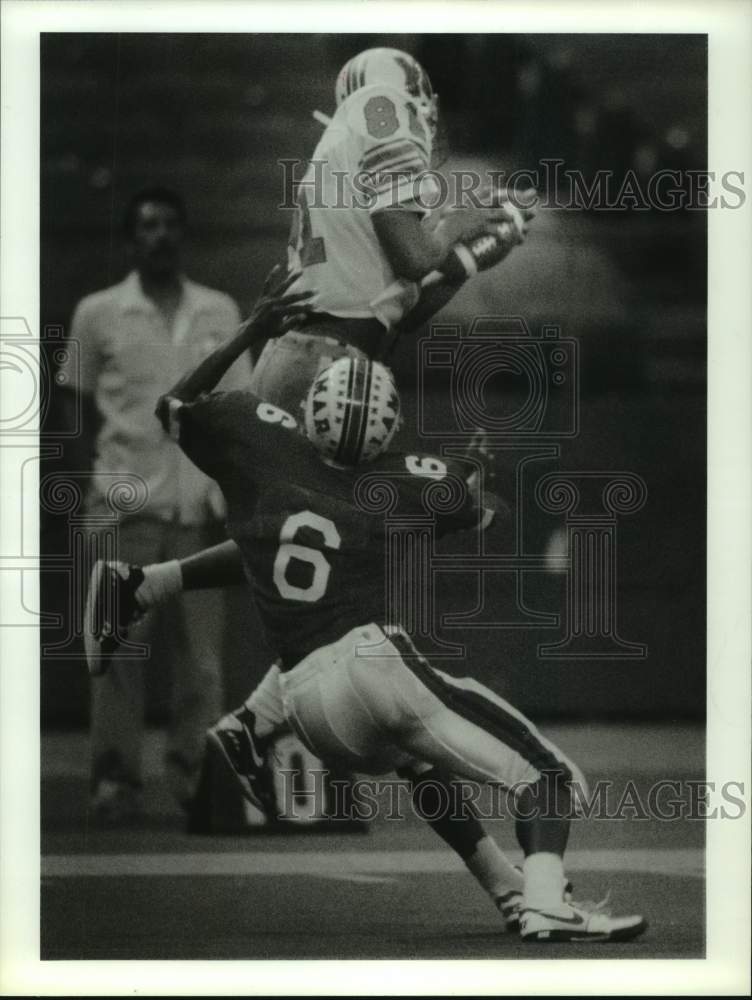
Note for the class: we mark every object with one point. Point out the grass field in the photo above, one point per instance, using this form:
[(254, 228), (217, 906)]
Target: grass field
[(155, 892)]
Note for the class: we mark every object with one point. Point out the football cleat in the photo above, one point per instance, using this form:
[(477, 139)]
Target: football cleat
[(510, 906), (233, 740), (352, 411), (111, 607), (578, 922), (392, 68)]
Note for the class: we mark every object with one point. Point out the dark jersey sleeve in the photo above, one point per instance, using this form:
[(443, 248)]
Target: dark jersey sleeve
[(459, 507), (441, 488), (223, 429)]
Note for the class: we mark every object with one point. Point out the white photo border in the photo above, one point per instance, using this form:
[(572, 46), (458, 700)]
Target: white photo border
[(725, 970)]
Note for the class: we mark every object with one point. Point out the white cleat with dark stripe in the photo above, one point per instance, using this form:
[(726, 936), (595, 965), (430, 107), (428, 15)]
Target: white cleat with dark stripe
[(509, 906), (578, 922)]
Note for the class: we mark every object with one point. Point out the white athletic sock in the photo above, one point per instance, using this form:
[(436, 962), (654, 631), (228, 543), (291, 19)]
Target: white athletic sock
[(544, 881), (493, 870), (266, 704), (161, 581)]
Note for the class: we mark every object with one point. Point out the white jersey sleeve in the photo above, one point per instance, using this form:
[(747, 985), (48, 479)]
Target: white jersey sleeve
[(373, 156)]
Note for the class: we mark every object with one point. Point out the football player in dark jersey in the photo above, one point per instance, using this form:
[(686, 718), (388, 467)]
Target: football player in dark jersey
[(306, 512)]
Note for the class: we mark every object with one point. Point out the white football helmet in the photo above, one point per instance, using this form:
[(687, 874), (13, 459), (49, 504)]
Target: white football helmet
[(352, 411), (395, 69)]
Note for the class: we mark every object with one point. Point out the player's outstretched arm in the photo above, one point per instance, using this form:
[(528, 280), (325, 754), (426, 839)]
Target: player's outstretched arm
[(473, 242), (414, 250), (218, 566), (122, 593), (275, 310)]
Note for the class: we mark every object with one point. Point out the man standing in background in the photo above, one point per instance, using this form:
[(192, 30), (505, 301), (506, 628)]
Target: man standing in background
[(135, 338)]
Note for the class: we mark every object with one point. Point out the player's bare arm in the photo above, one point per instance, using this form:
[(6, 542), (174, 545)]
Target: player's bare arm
[(276, 310), (414, 250), (498, 229)]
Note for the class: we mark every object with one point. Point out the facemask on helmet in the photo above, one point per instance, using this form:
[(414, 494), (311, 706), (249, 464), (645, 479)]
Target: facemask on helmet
[(352, 411), (395, 69)]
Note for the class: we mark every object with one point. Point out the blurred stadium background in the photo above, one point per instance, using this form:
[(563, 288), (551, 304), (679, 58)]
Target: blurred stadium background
[(211, 115)]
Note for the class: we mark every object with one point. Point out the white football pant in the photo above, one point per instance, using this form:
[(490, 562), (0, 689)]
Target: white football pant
[(371, 703)]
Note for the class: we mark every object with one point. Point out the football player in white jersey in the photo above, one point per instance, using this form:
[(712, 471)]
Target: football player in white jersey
[(359, 236), (374, 156)]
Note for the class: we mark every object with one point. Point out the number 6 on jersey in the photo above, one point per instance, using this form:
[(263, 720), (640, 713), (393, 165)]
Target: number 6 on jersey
[(289, 549)]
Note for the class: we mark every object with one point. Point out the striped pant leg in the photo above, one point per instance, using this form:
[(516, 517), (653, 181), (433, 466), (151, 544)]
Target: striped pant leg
[(464, 727), (342, 706), (392, 709)]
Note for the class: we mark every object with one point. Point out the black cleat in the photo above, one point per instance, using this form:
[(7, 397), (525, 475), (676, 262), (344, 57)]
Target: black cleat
[(233, 739), (111, 606)]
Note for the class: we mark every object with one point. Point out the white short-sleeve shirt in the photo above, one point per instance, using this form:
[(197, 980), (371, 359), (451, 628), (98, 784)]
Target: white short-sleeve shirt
[(128, 357)]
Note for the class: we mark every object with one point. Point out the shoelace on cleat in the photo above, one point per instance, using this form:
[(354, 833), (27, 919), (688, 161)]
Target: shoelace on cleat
[(590, 906)]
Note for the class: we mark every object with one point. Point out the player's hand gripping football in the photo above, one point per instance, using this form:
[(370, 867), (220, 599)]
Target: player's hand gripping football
[(488, 233), (277, 310), (491, 206)]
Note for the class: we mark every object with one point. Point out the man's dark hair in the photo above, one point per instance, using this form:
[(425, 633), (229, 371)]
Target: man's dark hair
[(160, 195)]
